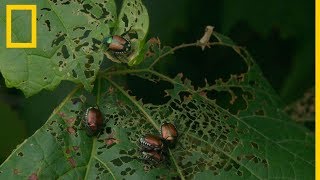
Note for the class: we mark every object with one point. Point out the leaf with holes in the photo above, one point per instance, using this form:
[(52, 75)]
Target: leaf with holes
[(133, 24), (69, 35), (228, 129)]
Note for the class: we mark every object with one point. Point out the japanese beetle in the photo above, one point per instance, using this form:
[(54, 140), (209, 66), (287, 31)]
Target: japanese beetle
[(169, 132), (93, 121), (117, 44), (153, 156), (151, 143)]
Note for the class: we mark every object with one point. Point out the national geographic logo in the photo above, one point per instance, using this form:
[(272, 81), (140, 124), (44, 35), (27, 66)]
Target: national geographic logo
[(33, 9)]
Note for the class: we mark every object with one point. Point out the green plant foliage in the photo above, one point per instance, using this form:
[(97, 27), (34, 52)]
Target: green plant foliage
[(134, 17), (246, 136), (69, 35)]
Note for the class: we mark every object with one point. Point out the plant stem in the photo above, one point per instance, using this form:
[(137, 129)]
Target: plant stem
[(171, 51)]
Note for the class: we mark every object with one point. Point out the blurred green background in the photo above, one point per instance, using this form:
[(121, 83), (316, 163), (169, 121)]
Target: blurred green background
[(278, 34)]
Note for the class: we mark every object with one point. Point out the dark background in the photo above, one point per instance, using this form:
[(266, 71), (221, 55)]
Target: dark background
[(278, 34)]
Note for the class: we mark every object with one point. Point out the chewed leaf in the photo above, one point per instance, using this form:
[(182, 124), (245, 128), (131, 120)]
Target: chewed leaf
[(134, 17), (69, 35), (134, 20), (228, 129)]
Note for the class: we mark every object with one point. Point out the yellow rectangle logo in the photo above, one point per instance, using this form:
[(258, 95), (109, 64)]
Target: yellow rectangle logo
[(33, 9)]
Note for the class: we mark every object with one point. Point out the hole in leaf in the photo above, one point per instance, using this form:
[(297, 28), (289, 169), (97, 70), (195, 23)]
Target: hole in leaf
[(125, 20), (117, 162), (85, 34), (74, 74), (90, 61), (95, 43), (46, 9), (108, 130), (97, 165), (133, 35), (126, 159), (65, 52), (79, 27), (48, 25), (81, 45), (265, 163), (65, 3), (132, 152), (232, 99), (101, 169), (89, 74), (86, 7), (132, 171), (239, 173), (60, 37), (254, 145)]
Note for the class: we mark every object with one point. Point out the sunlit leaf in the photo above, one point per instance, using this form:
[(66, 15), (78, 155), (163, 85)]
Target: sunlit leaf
[(69, 35)]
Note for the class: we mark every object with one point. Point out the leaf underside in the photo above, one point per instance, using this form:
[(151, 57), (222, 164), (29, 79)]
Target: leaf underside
[(249, 138)]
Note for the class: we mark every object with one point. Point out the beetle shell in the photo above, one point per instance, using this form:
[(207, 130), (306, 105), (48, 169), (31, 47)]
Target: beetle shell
[(117, 44), (151, 142), (93, 121), (153, 156), (168, 132)]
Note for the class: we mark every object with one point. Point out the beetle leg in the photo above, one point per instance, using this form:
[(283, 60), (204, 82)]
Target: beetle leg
[(121, 58), (125, 33), (116, 56)]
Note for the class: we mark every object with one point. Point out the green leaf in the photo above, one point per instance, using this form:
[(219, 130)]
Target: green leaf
[(69, 34), (230, 129), (133, 19)]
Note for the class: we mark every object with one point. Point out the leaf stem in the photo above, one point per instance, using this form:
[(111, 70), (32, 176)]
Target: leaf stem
[(171, 51), (93, 152), (176, 164), (105, 165)]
